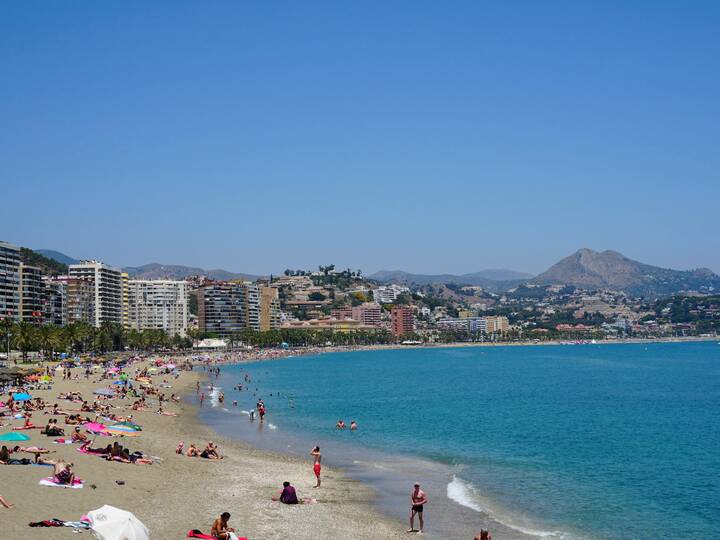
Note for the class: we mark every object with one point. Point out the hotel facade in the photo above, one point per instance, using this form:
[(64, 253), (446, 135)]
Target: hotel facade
[(158, 305), (9, 281), (106, 284)]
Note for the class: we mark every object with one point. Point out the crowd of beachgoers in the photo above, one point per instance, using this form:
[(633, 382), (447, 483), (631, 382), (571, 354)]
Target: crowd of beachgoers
[(58, 425), (78, 423)]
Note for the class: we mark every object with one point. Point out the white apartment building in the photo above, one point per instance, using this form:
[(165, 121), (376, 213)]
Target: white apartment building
[(388, 294), (9, 281), (252, 306), (158, 304), (106, 284)]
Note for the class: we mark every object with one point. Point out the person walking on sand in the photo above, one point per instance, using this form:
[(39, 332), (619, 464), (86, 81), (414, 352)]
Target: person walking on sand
[(317, 456), (418, 499)]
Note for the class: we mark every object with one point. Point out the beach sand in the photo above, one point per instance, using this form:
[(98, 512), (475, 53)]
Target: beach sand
[(179, 493)]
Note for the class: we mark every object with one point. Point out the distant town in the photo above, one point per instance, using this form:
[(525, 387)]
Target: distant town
[(49, 306)]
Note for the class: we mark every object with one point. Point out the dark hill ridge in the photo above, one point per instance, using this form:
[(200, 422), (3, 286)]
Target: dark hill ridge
[(174, 271), (155, 270), (608, 269)]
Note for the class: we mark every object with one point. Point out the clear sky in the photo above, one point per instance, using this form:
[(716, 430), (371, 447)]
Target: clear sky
[(421, 135)]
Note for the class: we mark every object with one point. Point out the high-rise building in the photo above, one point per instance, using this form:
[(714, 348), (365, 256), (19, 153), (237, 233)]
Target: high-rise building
[(107, 290), (158, 304), (55, 301), (221, 308), (403, 321), (252, 305), (125, 281), (32, 290), (80, 300), (9, 281), (269, 308), (368, 314)]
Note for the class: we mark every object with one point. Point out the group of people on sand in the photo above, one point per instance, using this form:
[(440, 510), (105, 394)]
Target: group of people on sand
[(341, 424), (209, 452)]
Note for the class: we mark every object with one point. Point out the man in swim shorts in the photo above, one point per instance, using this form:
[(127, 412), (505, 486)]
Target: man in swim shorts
[(418, 500), (317, 456)]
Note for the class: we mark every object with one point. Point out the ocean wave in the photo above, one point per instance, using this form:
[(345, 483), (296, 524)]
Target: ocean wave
[(465, 494)]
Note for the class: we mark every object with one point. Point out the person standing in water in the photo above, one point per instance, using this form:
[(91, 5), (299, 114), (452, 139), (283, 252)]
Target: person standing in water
[(317, 457), (418, 500)]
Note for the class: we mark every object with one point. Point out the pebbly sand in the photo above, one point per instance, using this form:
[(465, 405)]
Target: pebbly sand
[(178, 493)]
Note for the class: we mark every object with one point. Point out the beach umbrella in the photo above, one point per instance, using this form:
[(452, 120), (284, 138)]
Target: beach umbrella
[(121, 430), (14, 436), (94, 427), (22, 396), (110, 523), (104, 392)]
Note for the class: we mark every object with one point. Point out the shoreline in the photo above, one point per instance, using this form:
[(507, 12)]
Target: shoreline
[(251, 355), (388, 476), (178, 493)]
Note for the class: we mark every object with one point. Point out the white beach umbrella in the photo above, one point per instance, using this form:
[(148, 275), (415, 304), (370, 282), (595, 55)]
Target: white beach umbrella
[(110, 523)]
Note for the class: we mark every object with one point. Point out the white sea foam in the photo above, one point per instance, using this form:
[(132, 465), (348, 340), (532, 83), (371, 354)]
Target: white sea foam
[(461, 492), (465, 494), (272, 426), (214, 395)]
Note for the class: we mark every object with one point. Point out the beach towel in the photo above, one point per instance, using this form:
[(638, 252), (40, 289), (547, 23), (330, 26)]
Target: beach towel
[(195, 533), (62, 441), (50, 482)]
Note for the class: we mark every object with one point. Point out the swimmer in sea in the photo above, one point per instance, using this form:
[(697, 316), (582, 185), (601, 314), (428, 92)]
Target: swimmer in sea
[(353, 425), (340, 424)]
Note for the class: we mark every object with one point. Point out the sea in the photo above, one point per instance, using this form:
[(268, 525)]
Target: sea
[(559, 442)]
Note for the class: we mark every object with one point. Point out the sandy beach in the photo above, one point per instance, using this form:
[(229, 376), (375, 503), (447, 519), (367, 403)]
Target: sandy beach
[(178, 493)]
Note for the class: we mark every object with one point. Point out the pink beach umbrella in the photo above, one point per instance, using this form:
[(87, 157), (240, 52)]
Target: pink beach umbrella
[(94, 427)]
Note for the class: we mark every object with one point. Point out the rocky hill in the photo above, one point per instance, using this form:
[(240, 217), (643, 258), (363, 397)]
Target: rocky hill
[(590, 269)]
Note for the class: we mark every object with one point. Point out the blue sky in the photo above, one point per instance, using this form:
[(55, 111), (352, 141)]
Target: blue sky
[(425, 136)]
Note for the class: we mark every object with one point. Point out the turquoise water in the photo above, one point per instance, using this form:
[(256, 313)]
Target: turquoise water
[(585, 441)]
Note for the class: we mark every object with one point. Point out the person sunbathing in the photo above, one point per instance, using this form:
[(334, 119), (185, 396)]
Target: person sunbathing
[(4, 502), (53, 430), (210, 452), (192, 451), (62, 472), (79, 437), (85, 447), (220, 529)]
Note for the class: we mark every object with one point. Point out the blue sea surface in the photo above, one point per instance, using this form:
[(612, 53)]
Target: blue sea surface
[(578, 441)]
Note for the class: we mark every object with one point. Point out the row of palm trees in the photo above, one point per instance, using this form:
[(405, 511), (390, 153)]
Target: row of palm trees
[(80, 337), (301, 337)]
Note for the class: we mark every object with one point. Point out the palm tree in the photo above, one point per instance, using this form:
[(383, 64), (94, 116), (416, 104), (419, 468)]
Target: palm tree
[(49, 339), (25, 338)]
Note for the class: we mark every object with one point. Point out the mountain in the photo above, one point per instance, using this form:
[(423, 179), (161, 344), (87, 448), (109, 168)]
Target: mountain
[(590, 269), (57, 256), (50, 266), (173, 271), (493, 280)]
